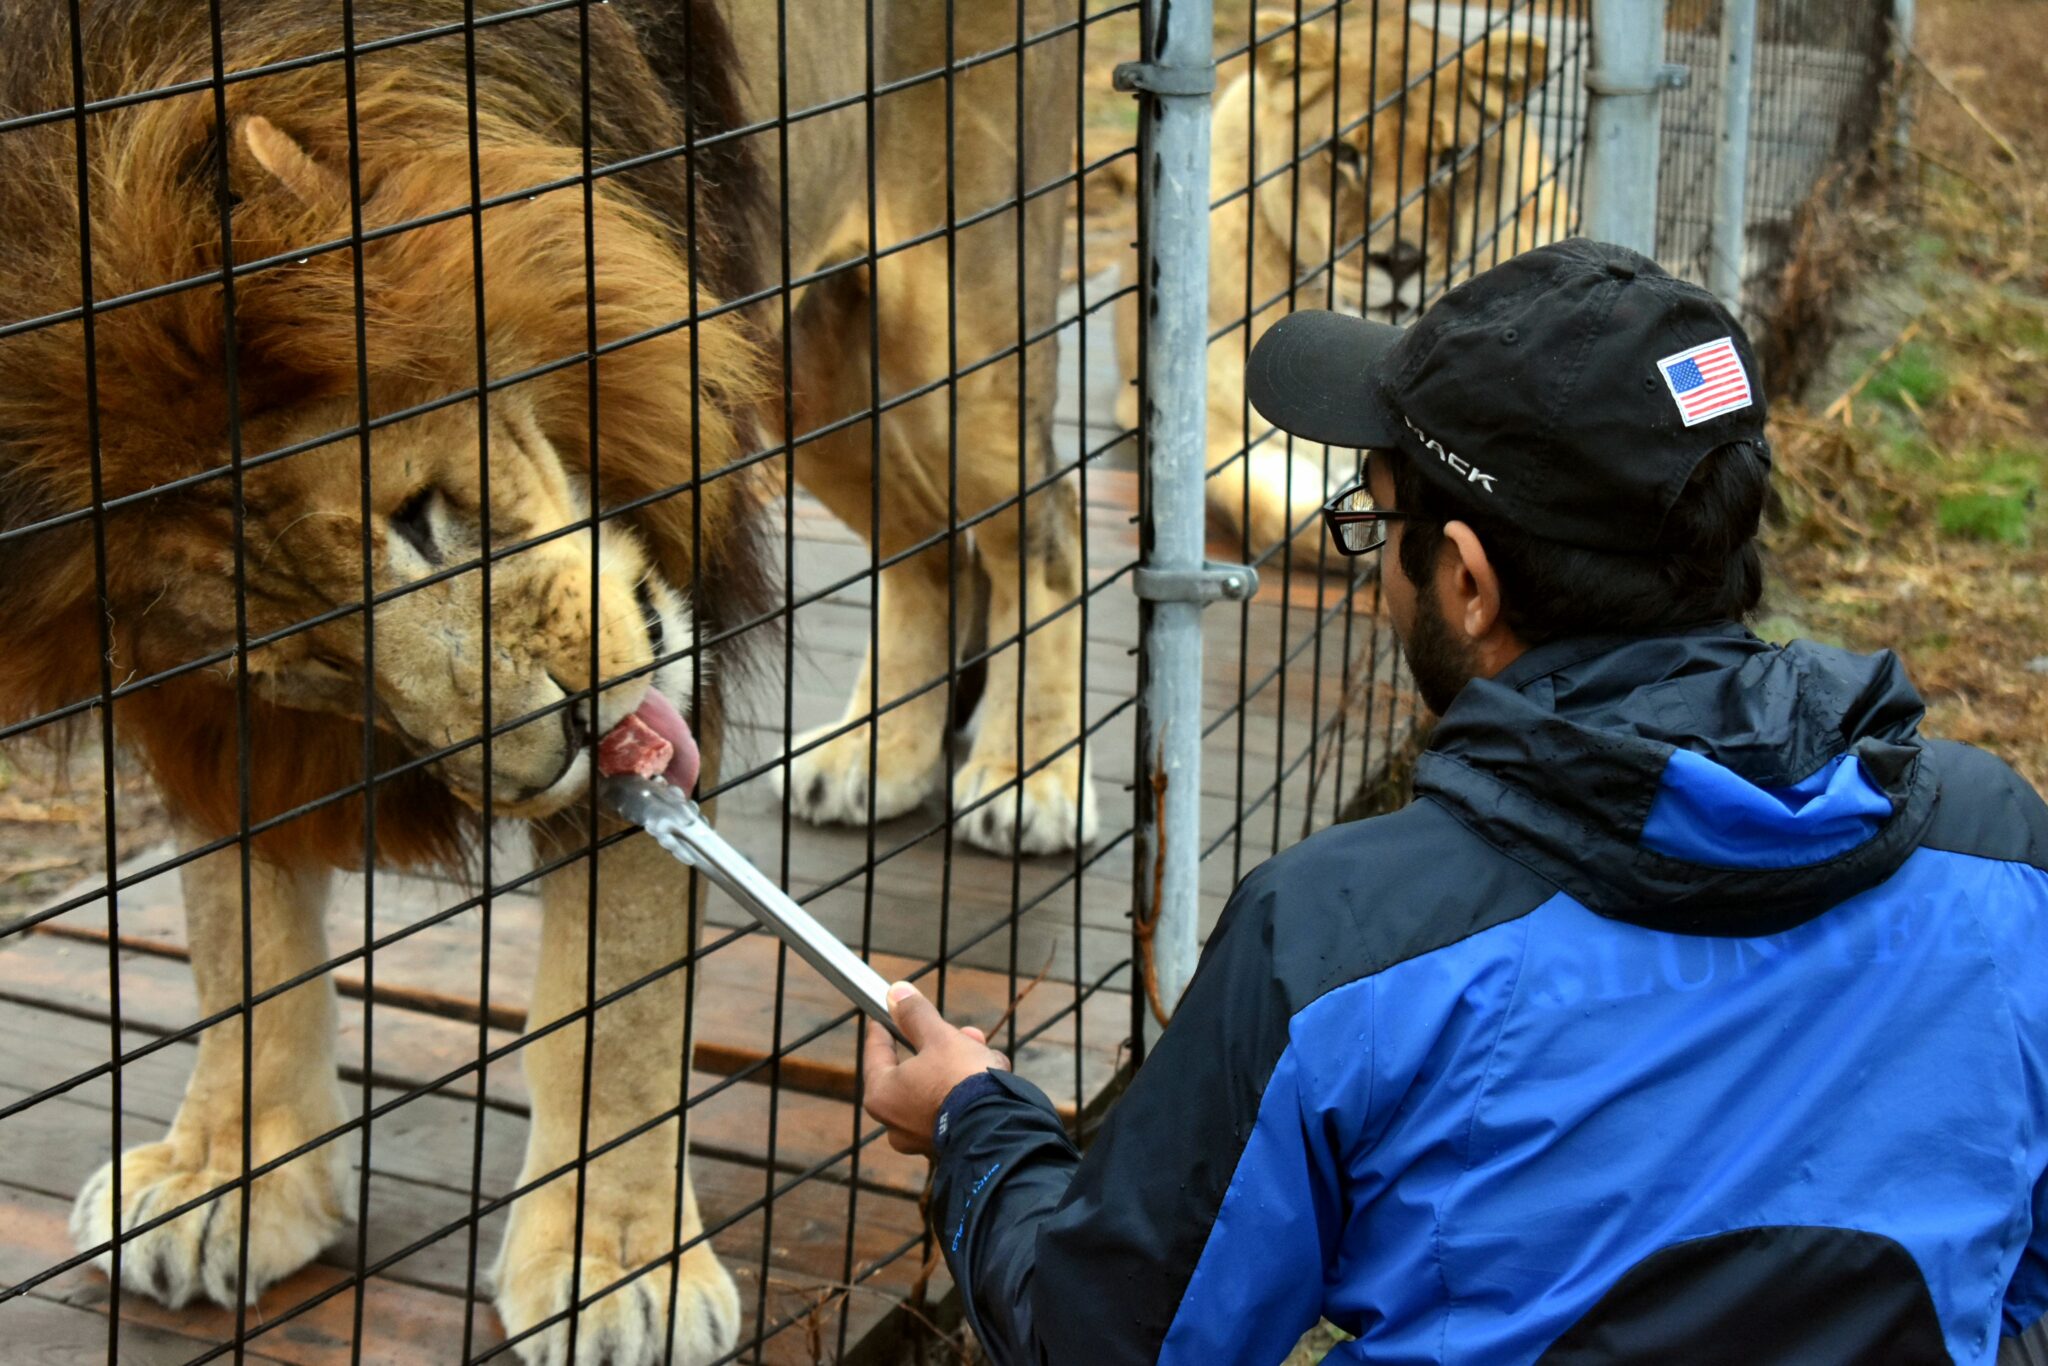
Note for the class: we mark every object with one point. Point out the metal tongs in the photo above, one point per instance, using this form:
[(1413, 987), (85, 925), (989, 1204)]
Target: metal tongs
[(679, 827)]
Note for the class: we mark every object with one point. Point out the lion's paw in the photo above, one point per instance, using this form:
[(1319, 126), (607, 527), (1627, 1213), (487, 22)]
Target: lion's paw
[(297, 1212), (829, 785), (1057, 812), (626, 1326)]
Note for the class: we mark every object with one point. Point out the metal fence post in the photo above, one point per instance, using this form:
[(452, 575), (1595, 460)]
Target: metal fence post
[(1731, 156), (1172, 582), (1902, 59), (1623, 126)]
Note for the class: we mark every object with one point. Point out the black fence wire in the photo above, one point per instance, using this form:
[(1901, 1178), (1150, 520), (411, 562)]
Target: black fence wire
[(410, 409)]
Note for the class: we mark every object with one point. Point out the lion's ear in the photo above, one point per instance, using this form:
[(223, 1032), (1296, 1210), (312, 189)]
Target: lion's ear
[(1503, 73), (291, 165), (1277, 55)]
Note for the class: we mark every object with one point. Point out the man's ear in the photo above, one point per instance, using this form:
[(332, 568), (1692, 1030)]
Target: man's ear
[(1472, 598), (281, 156)]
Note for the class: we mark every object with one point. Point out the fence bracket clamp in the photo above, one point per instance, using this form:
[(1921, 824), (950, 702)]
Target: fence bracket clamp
[(1669, 76), (1213, 582), (1158, 78)]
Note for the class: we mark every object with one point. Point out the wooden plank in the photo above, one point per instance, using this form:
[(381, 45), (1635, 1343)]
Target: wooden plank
[(406, 1317), (51, 1147), (809, 1224), (40, 1332), (400, 1323), (158, 998), (55, 966), (735, 1022)]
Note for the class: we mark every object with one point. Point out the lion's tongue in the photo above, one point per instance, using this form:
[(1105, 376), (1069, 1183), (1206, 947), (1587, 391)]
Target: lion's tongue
[(659, 715)]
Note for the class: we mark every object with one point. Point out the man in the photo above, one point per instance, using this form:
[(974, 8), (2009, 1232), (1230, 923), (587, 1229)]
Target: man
[(1693, 1011)]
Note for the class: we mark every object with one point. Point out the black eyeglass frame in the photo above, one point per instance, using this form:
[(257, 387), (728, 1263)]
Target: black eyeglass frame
[(1336, 518)]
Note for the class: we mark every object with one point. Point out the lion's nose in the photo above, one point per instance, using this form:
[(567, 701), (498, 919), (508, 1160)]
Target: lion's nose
[(1400, 263)]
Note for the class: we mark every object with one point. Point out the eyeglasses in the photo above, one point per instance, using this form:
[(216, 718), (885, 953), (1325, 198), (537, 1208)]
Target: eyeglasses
[(1356, 524)]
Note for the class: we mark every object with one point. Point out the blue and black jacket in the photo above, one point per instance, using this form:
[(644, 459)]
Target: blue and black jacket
[(1696, 1010)]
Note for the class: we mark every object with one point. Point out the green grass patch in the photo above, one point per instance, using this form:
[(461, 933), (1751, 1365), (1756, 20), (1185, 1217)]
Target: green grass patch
[(1927, 247), (1997, 500), (2000, 518), (2028, 332), (1915, 373), (2009, 325)]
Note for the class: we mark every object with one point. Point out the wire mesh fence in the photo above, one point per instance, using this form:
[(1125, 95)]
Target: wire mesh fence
[(1818, 75), (412, 409), (1365, 158)]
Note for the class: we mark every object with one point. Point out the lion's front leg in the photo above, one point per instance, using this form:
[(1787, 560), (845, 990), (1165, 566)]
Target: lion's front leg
[(831, 780), (299, 1207), (629, 1193), (1026, 786)]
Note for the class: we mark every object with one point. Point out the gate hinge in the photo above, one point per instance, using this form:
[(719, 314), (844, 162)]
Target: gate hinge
[(1156, 78), (1213, 582), (1669, 76)]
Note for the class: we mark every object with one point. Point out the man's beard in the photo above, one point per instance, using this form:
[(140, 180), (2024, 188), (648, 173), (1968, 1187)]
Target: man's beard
[(1441, 663)]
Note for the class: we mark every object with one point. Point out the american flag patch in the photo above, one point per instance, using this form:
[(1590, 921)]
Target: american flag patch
[(1706, 381)]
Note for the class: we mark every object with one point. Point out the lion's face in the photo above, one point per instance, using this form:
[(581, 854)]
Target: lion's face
[(466, 525), (1408, 191), (454, 643)]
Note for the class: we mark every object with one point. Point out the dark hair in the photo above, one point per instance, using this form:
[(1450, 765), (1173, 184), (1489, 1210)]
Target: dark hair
[(1550, 591)]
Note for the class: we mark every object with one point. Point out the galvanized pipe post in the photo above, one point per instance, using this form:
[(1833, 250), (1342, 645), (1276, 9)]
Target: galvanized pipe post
[(1902, 92), (1731, 155), (1625, 86), (1174, 82)]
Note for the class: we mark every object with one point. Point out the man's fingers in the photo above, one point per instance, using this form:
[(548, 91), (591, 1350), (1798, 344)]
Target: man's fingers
[(879, 1048), (918, 1018), (974, 1033)]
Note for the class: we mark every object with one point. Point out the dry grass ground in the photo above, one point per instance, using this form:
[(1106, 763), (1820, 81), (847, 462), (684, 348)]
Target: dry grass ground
[(1913, 467)]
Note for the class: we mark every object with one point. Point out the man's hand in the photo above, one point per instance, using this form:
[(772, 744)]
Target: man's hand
[(905, 1094)]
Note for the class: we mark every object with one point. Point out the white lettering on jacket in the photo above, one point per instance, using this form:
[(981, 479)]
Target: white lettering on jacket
[(1472, 473)]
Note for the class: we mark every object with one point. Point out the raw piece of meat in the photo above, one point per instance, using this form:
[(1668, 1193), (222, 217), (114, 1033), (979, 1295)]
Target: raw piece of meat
[(655, 741), (634, 747)]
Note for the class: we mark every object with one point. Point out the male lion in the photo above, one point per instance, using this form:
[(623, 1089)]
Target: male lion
[(1432, 161), (246, 501), (937, 304)]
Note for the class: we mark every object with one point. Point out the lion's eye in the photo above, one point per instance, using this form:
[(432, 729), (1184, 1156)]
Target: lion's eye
[(1350, 160), (1448, 158), (413, 522)]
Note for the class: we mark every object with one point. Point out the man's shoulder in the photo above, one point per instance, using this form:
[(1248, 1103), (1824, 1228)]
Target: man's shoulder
[(1357, 899), (1986, 809)]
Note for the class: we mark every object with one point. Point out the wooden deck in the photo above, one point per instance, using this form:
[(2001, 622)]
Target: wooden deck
[(810, 1202)]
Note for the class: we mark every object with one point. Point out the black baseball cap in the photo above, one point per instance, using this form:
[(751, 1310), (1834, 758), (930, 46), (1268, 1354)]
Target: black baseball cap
[(1569, 391)]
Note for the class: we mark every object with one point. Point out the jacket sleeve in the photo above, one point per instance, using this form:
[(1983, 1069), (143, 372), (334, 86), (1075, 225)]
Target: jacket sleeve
[(1207, 1160)]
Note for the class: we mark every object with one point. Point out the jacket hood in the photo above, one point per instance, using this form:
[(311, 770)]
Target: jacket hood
[(1704, 782)]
